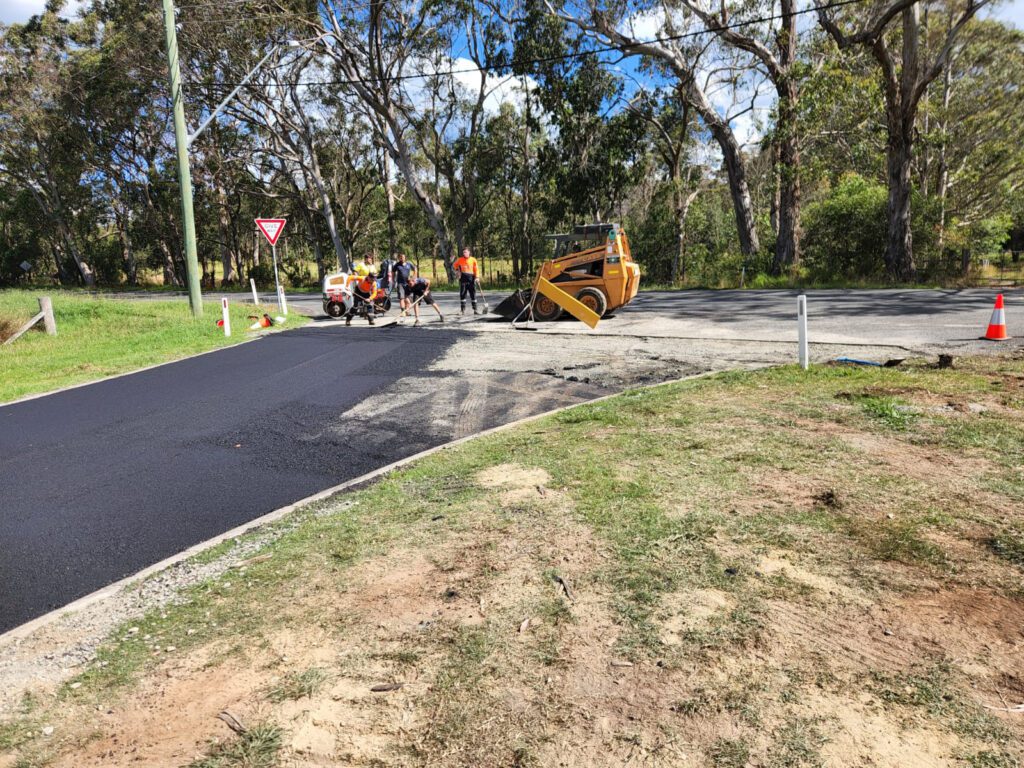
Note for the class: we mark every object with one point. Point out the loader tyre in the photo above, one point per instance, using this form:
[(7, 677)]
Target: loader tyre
[(545, 310), (594, 300)]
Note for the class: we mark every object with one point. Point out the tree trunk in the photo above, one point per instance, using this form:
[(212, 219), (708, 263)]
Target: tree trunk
[(899, 252), (787, 243), (389, 196), (127, 254), (224, 226), (736, 169)]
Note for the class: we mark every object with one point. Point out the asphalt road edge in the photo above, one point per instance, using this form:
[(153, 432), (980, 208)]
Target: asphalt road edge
[(36, 396), (26, 629)]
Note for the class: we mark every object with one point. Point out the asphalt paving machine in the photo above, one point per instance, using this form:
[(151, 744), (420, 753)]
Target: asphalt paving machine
[(592, 266)]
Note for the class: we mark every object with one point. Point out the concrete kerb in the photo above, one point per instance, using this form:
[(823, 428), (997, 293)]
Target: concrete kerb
[(110, 590)]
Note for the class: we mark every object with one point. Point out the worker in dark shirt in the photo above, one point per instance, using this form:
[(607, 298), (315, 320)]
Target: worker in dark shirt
[(468, 271), (419, 291), (404, 271)]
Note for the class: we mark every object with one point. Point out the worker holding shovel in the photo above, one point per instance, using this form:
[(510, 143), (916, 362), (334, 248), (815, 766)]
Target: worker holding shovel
[(419, 290), (468, 272)]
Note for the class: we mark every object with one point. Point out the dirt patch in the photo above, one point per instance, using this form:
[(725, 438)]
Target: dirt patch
[(778, 563), (693, 610), (862, 732)]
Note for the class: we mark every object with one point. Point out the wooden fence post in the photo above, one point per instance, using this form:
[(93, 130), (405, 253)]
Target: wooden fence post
[(46, 309)]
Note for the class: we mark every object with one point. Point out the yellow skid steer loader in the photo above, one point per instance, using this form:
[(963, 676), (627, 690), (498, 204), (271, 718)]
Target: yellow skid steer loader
[(592, 267)]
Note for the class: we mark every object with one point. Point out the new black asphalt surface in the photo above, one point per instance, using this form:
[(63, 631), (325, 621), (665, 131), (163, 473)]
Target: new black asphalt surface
[(98, 482)]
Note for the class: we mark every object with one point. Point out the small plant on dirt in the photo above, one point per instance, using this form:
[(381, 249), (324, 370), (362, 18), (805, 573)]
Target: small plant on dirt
[(888, 411), (297, 685), (256, 748), (729, 753), (1009, 545), (901, 543)]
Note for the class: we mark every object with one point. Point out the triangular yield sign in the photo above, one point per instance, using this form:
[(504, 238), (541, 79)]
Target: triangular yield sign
[(271, 228)]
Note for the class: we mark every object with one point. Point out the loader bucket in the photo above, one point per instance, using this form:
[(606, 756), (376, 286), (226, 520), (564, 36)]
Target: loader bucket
[(512, 306)]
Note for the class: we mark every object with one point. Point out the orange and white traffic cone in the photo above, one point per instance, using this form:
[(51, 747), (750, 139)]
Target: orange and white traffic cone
[(997, 325)]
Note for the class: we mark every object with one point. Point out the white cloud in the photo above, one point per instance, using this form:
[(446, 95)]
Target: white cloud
[(500, 89)]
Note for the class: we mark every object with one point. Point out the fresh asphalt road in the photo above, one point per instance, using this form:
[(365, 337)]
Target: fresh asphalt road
[(101, 481)]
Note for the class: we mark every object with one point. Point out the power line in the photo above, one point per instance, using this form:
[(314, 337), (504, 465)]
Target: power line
[(497, 69)]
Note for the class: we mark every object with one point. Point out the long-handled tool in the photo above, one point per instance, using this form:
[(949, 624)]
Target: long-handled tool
[(483, 296), (404, 312)]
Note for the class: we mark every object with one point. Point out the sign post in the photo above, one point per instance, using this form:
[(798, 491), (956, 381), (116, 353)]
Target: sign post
[(801, 330), (272, 229), (225, 316)]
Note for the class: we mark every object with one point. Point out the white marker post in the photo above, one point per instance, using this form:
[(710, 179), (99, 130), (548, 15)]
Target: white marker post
[(272, 229), (225, 315), (801, 330), (255, 296)]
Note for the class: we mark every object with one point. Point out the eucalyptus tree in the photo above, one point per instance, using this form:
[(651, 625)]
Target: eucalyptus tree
[(41, 152), (672, 137), (905, 78), (381, 53), (677, 48), (772, 40)]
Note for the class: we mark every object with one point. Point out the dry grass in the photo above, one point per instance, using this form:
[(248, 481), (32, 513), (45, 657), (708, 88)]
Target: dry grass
[(8, 327)]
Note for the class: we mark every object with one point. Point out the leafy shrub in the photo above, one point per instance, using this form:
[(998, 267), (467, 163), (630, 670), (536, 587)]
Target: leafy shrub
[(845, 234)]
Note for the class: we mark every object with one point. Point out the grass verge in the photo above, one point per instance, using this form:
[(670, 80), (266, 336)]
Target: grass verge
[(768, 568), (103, 337)]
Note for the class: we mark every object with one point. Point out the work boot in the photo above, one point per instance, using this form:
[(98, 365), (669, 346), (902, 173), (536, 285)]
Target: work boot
[(477, 311), (440, 318), (416, 323), (462, 309), (370, 318), (348, 320)]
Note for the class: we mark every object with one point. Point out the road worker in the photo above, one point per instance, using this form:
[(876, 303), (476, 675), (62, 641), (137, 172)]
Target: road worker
[(404, 272), (419, 292), (386, 274), (466, 268), (365, 291)]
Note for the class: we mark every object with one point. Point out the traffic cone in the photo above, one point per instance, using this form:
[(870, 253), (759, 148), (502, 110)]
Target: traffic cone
[(997, 325)]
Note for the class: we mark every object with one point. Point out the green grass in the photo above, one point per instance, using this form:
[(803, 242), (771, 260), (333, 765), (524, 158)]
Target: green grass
[(256, 748), (297, 685), (102, 337)]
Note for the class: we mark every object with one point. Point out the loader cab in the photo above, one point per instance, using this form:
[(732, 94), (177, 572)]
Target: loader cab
[(595, 256)]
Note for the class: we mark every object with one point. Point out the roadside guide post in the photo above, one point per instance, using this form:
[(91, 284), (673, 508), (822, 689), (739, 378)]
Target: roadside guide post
[(225, 315), (255, 296), (801, 329), (272, 229)]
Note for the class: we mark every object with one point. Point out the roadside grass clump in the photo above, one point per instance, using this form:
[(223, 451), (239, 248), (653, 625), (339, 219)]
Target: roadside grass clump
[(298, 685), (900, 542), (729, 753), (889, 411), (796, 744), (1009, 545), (8, 327), (258, 747), (934, 691)]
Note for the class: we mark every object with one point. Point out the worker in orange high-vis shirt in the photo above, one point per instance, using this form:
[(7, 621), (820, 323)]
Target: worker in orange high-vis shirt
[(468, 272), (365, 292)]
